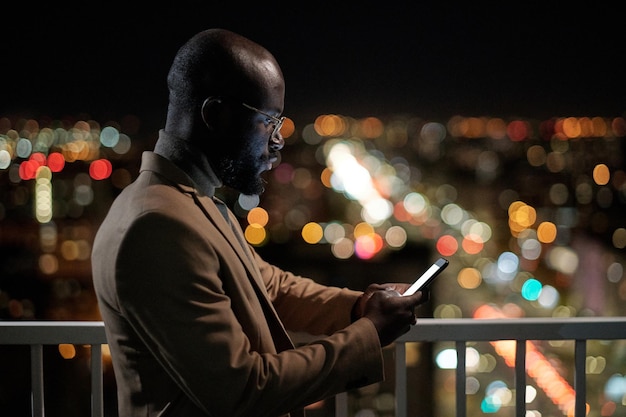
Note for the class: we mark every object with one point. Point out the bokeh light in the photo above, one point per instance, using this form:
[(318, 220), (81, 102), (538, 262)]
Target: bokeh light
[(531, 289), (100, 169), (255, 234), (447, 245), (312, 233), (601, 174)]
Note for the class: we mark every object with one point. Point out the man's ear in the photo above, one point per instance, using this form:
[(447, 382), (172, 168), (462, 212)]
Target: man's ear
[(210, 111)]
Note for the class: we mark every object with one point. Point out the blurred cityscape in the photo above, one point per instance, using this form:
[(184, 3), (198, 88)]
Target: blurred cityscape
[(530, 214)]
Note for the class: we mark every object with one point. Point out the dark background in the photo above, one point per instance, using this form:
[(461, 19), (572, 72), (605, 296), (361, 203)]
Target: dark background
[(430, 59)]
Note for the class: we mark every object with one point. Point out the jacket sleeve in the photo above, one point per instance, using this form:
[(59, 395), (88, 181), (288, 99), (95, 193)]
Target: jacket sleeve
[(176, 289), (304, 305)]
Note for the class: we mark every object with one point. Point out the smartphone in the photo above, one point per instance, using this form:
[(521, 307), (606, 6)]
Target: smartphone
[(427, 276)]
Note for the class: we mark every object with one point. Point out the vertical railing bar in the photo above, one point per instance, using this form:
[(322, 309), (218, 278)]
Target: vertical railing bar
[(97, 404), (580, 377), (460, 379), (401, 385), (36, 380), (341, 404), (520, 378)]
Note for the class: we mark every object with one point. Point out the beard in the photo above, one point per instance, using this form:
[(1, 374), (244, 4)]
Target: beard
[(242, 173)]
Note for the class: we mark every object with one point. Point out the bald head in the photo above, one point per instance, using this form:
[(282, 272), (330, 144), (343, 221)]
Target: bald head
[(217, 62), (225, 93)]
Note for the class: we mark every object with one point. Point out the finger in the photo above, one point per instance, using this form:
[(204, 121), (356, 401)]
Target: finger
[(400, 287), (372, 288), (392, 292), (415, 299), (410, 318)]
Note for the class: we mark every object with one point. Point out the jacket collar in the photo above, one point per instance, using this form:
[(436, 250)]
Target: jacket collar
[(224, 220)]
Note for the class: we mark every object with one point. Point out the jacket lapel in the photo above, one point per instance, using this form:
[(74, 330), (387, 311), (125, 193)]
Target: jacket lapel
[(231, 231), (227, 227)]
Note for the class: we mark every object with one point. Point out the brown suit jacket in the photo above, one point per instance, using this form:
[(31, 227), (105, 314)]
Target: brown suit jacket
[(196, 322)]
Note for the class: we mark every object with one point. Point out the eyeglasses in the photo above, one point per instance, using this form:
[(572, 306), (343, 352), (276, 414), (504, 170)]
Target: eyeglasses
[(277, 121)]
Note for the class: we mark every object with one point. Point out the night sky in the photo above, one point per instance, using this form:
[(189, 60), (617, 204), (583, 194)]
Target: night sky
[(428, 59)]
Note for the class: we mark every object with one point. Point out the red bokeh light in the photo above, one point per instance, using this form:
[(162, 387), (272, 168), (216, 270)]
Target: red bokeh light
[(447, 245), (56, 162), (100, 169)]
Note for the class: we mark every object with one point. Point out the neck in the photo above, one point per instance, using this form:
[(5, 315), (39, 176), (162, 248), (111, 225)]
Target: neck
[(189, 159)]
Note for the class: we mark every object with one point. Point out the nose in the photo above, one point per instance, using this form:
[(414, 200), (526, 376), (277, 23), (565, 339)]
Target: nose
[(276, 142)]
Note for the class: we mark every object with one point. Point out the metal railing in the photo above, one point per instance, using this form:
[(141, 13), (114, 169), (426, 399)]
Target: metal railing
[(459, 331), (520, 331), (40, 333)]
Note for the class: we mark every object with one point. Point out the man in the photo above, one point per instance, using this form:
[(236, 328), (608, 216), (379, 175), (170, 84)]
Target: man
[(196, 321)]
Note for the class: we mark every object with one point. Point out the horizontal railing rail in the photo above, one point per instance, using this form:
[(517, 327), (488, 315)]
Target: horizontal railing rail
[(460, 331), (40, 333)]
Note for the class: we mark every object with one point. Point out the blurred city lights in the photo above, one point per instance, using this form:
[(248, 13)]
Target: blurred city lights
[(506, 200)]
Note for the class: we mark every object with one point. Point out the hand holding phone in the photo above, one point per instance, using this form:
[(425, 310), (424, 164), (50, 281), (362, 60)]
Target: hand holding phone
[(427, 277)]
